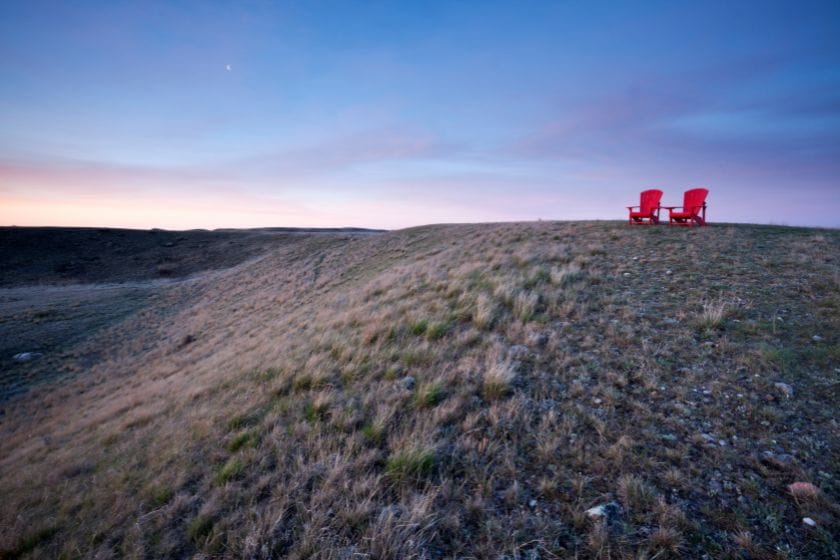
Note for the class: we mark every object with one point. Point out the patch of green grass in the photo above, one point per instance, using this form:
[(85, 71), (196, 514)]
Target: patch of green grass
[(436, 331), (409, 465), (314, 412), (373, 433), (392, 373), (241, 421), (160, 495), (418, 328), (199, 527), (308, 382), (428, 395), (392, 335), (791, 358), (249, 438), (783, 358), (233, 469), (303, 383), (355, 372)]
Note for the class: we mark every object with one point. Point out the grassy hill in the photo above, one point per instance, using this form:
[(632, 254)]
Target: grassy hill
[(448, 391)]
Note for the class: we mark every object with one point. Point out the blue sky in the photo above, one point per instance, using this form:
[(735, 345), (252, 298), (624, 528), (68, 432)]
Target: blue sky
[(238, 114)]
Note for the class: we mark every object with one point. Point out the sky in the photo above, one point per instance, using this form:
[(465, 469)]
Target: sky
[(204, 114)]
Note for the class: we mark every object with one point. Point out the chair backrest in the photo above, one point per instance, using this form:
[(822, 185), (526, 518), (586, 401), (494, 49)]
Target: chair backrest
[(649, 200), (694, 198)]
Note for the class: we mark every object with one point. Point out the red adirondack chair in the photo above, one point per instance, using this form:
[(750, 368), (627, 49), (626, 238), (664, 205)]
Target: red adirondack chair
[(693, 210), (648, 208)]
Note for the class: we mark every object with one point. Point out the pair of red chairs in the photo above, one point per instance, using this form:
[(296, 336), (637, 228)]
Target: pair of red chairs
[(692, 212)]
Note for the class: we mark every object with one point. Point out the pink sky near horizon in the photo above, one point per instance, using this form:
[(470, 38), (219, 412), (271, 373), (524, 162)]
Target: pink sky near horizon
[(232, 195)]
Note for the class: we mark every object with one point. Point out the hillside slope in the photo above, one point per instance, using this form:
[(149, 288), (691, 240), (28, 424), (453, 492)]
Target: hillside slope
[(452, 391), (67, 255)]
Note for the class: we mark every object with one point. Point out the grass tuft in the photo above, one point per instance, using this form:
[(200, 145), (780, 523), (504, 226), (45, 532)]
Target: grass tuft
[(233, 469), (428, 395), (636, 494), (498, 380), (160, 496), (485, 311), (373, 433), (436, 331), (713, 315), (245, 439), (566, 275), (199, 527), (410, 465), (418, 328), (525, 305)]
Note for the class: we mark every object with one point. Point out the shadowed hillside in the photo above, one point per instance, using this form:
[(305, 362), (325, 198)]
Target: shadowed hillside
[(72, 255), (449, 391)]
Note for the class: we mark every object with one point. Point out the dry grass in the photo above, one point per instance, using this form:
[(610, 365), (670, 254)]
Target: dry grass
[(545, 381), (498, 380)]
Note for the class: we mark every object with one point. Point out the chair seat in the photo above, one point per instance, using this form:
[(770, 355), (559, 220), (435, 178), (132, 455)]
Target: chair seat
[(641, 214), (681, 215)]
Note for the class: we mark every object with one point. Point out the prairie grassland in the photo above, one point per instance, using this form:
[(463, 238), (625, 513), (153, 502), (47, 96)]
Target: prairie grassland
[(460, 391)]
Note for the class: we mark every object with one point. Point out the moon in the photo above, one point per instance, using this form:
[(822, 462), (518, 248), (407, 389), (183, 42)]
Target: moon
[(227, 67)]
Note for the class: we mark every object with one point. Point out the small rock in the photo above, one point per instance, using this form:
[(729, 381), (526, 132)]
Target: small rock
[(26, 356), (608, 511), (780, 460), (809, 522), (597, 401), (786, 389), (532, 504), (626, 274), (816, 338), (408, 382), (668, 272)]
